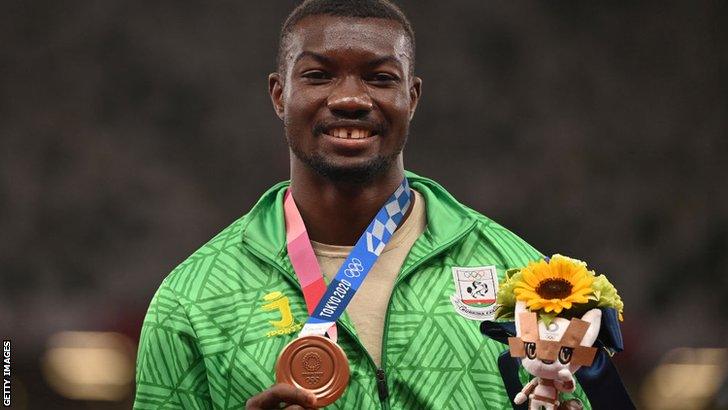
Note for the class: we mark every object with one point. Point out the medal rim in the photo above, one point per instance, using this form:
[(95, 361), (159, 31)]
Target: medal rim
[(332, 389)]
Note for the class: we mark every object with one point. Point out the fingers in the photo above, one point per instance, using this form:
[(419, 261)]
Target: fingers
[(281, 393)]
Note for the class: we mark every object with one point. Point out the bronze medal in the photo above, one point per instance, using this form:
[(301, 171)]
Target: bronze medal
[(317, 364)]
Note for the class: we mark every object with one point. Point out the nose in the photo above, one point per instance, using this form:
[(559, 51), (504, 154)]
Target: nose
[(350, 99)]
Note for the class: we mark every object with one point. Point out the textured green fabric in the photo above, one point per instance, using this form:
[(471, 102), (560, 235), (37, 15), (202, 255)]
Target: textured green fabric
[(204, 343)]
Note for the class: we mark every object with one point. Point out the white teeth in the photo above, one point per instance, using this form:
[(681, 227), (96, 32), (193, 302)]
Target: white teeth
[(350, 133)]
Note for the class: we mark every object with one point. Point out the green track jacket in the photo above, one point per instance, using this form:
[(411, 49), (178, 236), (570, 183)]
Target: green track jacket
[(218, 322)]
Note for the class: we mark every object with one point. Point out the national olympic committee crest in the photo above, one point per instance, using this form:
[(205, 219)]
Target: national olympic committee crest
[(475, 291)]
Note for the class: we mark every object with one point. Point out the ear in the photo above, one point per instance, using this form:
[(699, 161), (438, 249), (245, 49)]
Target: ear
[(594, 317), (275, 89), (415, 92), (520, 308)]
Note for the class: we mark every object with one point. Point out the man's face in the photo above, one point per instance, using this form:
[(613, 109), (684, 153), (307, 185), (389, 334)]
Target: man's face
[(346, 95)]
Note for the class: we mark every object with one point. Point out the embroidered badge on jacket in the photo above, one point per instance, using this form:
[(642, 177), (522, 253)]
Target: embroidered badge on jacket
[(286, 324), (475, 290)]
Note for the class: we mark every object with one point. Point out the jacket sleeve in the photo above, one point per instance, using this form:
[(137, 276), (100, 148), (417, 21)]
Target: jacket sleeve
[(170, 370)]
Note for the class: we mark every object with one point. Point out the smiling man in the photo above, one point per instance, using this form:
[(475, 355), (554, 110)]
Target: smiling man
[(346, 92)]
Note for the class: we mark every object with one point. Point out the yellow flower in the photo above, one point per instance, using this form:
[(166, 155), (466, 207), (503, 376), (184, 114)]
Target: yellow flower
[(554, 285)]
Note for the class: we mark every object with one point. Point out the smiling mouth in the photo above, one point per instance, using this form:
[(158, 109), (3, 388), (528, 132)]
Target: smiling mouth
[(350, 133)]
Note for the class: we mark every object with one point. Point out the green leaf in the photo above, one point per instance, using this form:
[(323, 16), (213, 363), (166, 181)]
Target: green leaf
[(511, 272), (547, 318)]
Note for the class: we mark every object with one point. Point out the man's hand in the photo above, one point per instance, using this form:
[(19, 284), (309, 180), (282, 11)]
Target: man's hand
[(293, 398)]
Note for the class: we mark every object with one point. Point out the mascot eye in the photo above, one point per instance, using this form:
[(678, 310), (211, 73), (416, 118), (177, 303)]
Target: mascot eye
[(530, 350), (565, 354)]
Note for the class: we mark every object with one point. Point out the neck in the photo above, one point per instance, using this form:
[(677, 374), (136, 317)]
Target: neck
[(336, 212)]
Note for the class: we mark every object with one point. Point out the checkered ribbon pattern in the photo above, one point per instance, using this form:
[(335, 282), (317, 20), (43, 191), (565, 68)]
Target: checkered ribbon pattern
[(383, 229), (355, 268)]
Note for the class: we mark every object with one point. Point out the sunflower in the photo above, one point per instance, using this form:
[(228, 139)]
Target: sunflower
[(554, 284)]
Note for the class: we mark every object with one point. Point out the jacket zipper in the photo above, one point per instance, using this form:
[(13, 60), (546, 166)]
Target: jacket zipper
[(435, 252)]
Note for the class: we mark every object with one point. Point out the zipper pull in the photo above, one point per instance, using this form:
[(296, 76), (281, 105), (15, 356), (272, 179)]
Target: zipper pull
[(382, 384)]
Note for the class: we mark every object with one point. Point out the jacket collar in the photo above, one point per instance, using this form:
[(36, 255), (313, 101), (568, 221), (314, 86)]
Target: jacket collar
[(264, 228)]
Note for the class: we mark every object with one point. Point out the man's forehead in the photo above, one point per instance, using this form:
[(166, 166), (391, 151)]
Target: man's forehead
[(323, 34)]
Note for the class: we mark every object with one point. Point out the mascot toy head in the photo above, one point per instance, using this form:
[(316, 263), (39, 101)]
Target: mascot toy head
[(556, 350)]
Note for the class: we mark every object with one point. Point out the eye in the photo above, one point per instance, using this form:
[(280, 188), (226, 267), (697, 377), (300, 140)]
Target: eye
[(383, 78), (316, 75), (565, 354), (530, 349)]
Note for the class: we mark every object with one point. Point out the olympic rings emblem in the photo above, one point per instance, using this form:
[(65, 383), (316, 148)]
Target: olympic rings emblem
[(470, 274), (354, 269)]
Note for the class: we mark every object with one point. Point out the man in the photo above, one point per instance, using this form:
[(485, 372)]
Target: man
[(345, 90)]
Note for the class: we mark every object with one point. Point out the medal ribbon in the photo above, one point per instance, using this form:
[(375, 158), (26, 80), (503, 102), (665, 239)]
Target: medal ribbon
[(326, 304)]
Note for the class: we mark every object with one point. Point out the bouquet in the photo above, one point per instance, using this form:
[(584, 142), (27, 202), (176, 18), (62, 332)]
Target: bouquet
[(557, 306)]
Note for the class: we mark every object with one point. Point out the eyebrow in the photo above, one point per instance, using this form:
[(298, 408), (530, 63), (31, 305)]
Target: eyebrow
[(318, 57), (386, 59), (326, 60)]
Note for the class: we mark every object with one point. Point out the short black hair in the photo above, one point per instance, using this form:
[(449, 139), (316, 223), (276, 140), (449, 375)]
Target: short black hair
[(345, 8)]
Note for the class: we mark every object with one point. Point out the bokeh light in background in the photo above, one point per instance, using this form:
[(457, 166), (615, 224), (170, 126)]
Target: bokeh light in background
[(686, 379), (90, 365), (132, 131)]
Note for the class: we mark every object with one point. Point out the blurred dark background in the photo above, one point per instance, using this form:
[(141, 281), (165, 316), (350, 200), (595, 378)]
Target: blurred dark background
[(132, 131)]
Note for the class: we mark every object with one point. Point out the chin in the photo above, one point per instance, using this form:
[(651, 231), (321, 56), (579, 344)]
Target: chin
[(351, 169)]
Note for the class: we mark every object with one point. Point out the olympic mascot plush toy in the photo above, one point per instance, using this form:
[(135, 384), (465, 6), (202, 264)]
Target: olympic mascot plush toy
[(557, 306), (552, 353)]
